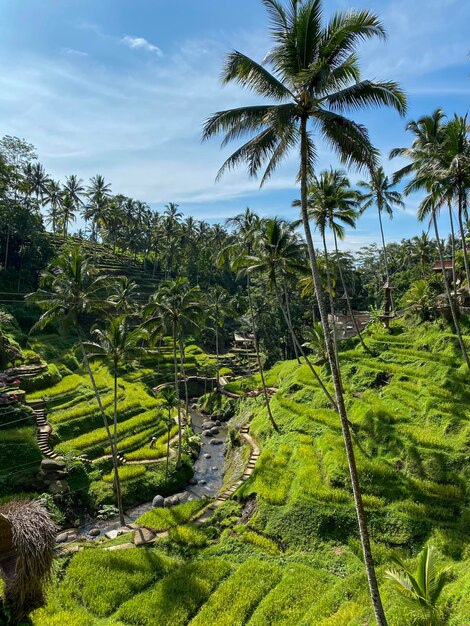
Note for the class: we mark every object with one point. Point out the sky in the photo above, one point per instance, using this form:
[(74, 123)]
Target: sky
[(122, 88)]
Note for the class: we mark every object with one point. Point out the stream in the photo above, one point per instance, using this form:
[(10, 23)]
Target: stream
[(208, 478)]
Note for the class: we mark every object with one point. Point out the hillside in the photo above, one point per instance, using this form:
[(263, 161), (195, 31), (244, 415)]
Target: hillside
[(284, 549)]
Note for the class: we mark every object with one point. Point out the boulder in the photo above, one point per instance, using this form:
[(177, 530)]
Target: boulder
[(112, 534), (175, 500), (208, 425), (203, 482), (52, 465), (143, 536), (216, 442), (207, 433), (218, 423), (62, 538), (215, 430), (58, 486), (192, 481), (167, 503), (94, 532), (207, 455), (157, 502), (214, 468)]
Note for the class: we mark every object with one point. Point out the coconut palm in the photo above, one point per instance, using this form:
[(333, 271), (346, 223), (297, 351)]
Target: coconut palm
[(116, 344), (312, 77), (98, 194), (69, 289), (53, 196), (66, 213), (74, 188), (334, 203), (246, 226), (170, 401), (38, 180), (125, 296), (315, 341), (175, 307), (278, 254), (218, 307), (421, 589), (379, 192), (425, 172)]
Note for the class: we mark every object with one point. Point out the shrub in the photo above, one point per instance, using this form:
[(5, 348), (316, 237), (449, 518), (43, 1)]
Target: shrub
[(188, 536), (48, 378)]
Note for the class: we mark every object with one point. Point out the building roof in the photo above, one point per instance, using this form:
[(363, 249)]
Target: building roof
[(448, 265)]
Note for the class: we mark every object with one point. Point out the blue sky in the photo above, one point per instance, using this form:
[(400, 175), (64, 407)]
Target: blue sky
[(122, 87)]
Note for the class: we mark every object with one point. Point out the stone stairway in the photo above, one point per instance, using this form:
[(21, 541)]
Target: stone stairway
[(44, 429)]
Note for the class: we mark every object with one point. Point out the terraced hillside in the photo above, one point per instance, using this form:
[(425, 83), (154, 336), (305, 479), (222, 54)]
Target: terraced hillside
[(64, 396), (285, 551)]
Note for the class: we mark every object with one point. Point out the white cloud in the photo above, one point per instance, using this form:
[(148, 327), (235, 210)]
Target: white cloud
[(73, 52), (139, 43)]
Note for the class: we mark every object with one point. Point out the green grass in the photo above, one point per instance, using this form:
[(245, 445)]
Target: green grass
[(126, 472), (163, 519)]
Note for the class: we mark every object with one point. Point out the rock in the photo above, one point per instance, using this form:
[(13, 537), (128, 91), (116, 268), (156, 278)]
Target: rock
[(193, 481), (175, 500), (203, 482), (51, 465), (62, 538), (58, 486), (215, 430), (218, 423), (207, 456), (216, 442), (157, 502), (143, 536), (73, 537), (94, 532), (112, 534), (207, 433), (214, 468), (208, 425), (167, 503)]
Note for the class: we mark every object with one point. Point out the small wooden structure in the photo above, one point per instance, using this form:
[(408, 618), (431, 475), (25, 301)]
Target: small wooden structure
[(243, 341)]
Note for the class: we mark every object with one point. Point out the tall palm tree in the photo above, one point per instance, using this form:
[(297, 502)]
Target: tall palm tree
[(98, 193), (169, 403), (116, 344), (218, 307), (247, 225), (379, 192), (38, 180), (425, 155), (313, 78), (67, 213), (421, 589), (333, 204), (175, 307), (53, 196), (70, 289), (423, 251), (74, 188), (277, 255)]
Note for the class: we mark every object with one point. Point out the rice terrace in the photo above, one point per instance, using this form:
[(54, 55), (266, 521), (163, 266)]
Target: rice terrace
[(234, 313)]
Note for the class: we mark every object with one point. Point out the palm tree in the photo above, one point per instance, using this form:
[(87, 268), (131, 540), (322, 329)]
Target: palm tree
[(175, 307), (316, 341), (314, 79), (278, 254), (98, 194), (53, 196), (333, 204), (74, 188), (247, 225), (170, 401), (66, 215), (422, 251), (116, 343), (425, 157), (125, 296), (219, 306), (420, 590), (70, 289), (379, 192), (38, 180)]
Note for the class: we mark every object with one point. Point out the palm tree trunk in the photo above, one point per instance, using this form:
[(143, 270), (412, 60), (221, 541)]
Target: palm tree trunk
[(464, 243), (336, 375), (178, 457), (116, 476), (289, 325), (258, 358), (184, 377), (331, 300), (168, 444), (297, 343), (217, 352), (348, 301), (104, 417), (449, 295), (452, 240), (384, 248)]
